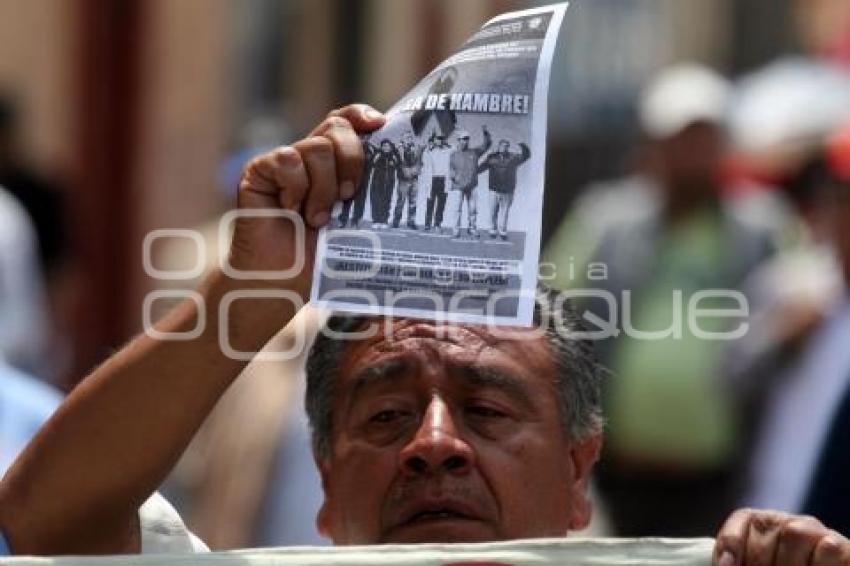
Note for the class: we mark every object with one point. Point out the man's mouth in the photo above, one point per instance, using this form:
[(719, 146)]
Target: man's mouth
[(438, 511), (440, 519), (435, 515)]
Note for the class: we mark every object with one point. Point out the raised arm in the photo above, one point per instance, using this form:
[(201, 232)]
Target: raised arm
[(486, 142), (526, 153), (484, 164), (78, 486)]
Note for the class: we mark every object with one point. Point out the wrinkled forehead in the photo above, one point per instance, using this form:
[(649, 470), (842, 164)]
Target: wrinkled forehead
[(459, 342)]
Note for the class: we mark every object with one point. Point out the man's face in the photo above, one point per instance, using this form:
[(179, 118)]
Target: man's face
[(464, 142), (451, 434), (691, 161), (504, 146)]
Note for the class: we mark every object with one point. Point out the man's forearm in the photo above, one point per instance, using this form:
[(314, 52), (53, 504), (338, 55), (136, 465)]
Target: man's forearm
[(78, 486), (122, 429)]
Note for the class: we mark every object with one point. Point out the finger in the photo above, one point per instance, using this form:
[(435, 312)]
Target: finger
[(348, 151), (363, 118), (763, 537), (798, 539), (317, 153), (293, 177), (255, 177), (732, 538), (276, 177), (832, 550)]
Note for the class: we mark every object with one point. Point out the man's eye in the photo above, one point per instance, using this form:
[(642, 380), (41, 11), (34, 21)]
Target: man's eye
[(485, 411), (387, 416)]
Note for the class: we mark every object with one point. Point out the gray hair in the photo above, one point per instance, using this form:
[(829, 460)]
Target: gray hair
[(578, 373)]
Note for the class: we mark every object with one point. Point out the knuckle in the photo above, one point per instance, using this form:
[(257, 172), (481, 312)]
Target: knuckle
[(284, 153), (318, 146), (828, 550), (807, 522), (323, 145), (253, 164), (764, 523), (740, 516), (245, 184), (794, 531), (337, 123), (728, 542), (349, 109)]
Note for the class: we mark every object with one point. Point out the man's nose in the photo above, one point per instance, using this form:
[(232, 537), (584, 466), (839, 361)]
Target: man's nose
[(436, 447)]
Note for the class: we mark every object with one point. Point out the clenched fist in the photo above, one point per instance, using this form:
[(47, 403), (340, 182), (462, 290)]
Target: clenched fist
[(306, 179)]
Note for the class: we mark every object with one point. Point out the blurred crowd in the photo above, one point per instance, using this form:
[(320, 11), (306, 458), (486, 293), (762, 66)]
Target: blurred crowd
[(737, 187), (736, 184)]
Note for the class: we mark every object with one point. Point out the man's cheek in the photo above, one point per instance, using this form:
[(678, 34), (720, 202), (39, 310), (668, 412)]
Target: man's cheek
[(532, 487), (356, 510), (364, 479)]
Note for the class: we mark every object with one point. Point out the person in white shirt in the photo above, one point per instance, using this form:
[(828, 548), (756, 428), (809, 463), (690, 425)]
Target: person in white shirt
[(23, 305), (437, 162)]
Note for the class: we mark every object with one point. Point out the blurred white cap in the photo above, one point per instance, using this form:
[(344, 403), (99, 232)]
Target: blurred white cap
[(682, 95), (789, 107)]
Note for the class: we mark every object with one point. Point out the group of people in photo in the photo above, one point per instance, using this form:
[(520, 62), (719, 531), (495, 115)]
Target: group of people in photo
[(407, 165)]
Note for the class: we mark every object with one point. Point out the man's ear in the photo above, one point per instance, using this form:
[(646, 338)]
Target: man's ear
[(323, 517), (584, 454)]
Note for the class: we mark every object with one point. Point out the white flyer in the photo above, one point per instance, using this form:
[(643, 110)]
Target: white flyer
[(446, 223)]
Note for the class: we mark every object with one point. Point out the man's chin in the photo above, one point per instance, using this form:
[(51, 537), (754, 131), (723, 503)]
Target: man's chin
[(441, 531)]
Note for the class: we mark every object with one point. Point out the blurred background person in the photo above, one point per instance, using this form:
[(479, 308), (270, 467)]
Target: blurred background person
[(23, 305), (25, 401), (791, 371), (667, 232), (48, 285), (248, 479), (25, 404), (782, 118), (801, 458)]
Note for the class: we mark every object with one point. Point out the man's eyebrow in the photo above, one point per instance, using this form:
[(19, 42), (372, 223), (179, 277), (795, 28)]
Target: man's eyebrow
[(377, 373), (480, 375), (474, 375)]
